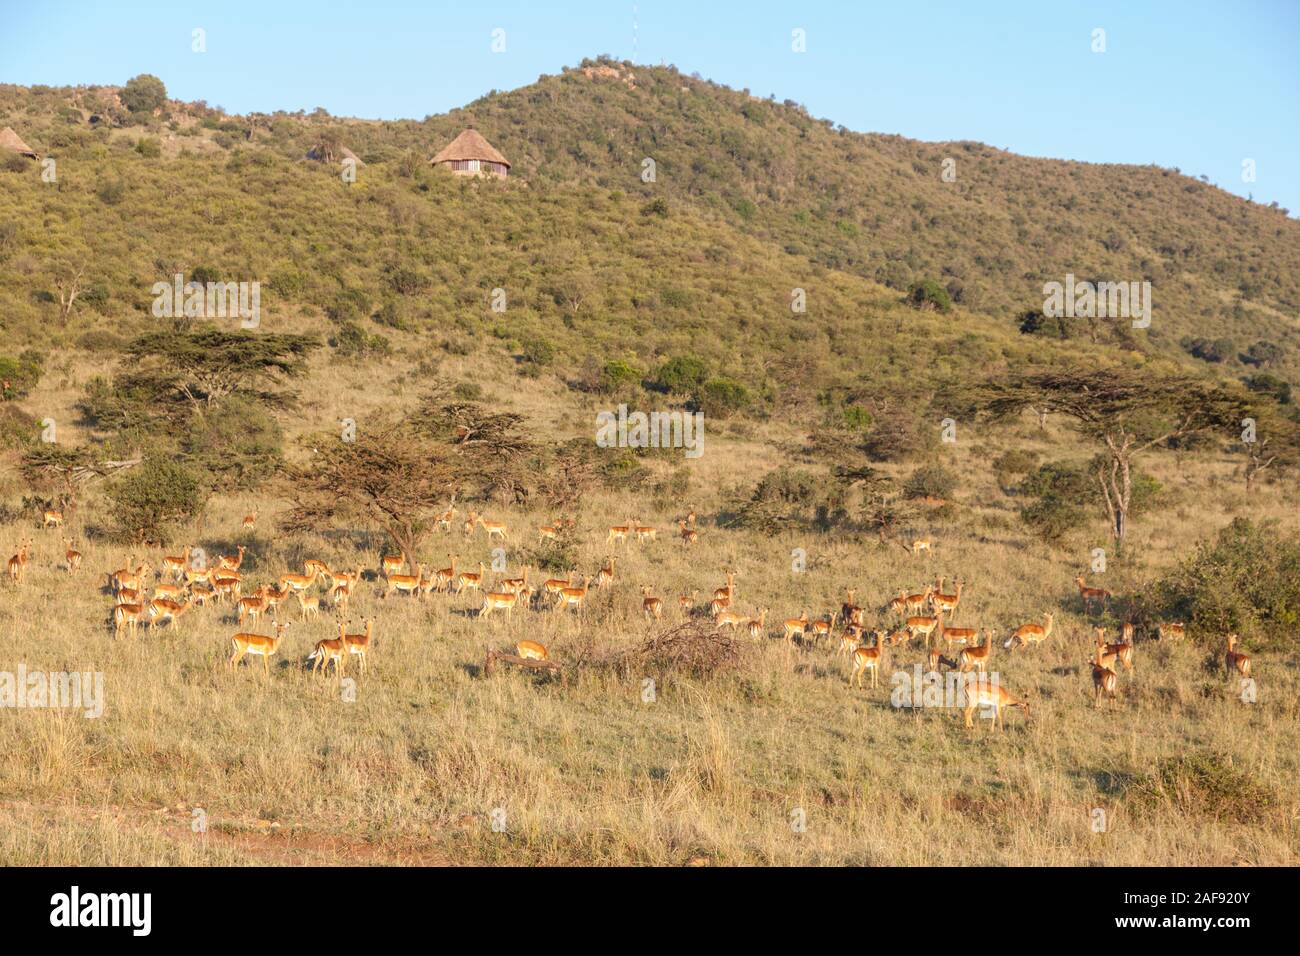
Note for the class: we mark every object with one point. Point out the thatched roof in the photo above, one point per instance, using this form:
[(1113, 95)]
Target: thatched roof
[(12, 141), (320, 153), (470, 145)]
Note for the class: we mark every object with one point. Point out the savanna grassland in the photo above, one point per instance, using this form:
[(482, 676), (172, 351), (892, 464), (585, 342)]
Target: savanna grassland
[(822, 434)]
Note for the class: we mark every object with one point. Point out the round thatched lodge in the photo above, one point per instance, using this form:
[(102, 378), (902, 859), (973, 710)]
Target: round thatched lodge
[(469, 154), (11, 141)]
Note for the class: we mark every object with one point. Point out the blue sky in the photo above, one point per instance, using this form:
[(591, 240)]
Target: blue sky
[(1197, 85)]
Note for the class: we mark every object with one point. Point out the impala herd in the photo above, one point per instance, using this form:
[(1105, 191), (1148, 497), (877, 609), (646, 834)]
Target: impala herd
[(184, 582)]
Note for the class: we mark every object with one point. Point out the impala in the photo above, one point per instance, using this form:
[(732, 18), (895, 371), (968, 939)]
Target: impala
[(494, 529), (1088, 595), (651, 607), (1122, 652), (977, 658), (868, 659), (467, 579), (729, 591), (553, 586), (531, 651), (718, 605), (128, 596), (1235, 660), (515, 584), (946, 602), (959, 635), (923, 625), (686, 602), (444, 520), (850, 613), (201, 595), (317, 569), (644, 532), (250, 521), (824, 627), (175, 565), (51, 518), (443, 578), (688, 535), (171, 592), (982, 693), (728, 619), (71, 555), (133, 580), (18, 563), (899, 604), (406, 583), (605, 576), (330, 650), (548, 532), (900, 636), (850, 641), (619, 533), (231, 562), (339, 595), (574, 597), (277, 596), (297, 582), (797, 625), (1171, 632), (915, 603), (259, 645), (162, 610), (360, 644), (392, 563), (127, 615), (1104, 680), (310, 605), (195, 576), (1028, 634), (498, 600), (921, 544), (252, 606), (226, 587), (757, 627)]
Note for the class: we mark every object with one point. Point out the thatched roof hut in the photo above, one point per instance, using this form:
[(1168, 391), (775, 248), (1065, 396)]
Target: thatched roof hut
[(469, 154), (323, 153), (13, 142)]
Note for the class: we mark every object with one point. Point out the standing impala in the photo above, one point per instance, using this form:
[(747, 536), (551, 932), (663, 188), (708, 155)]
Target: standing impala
[(498, 600), (1104, 679), (757, 627), (330, 650), (128, 616), (392, 563), (644, 532), (924, 625), (729, 591), (51, 518), (1121, 652), (651, 607), (470, 580), (915, 603), (494, 529), (360, 644), (259, 645), (1235, 660), (175, 565), (231, 562), (406, 583), (982, 693), (619, 532), (605, 576), (797, 626), (977, 658), (573, 597), (947, 602), (728, 619), (689, 535), (868, 659), (71, 555), (1088, 595)]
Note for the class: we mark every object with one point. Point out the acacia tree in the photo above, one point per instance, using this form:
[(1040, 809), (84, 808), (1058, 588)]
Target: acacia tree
[(1126, 411), (1269, 440), (391, 477), (210, 364)]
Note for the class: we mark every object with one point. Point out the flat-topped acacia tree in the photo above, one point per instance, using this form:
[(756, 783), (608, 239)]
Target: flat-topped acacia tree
[(1127, 411)]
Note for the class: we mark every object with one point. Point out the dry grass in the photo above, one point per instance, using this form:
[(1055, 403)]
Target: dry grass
[(586, 770)]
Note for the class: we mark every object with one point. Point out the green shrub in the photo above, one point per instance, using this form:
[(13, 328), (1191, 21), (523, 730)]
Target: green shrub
[(148, 146), (143, 94), (153, 498), (682, 375), (617, 375), (928, 294), (18, 376), (537, 350), (1203, 785), (721, 398), (930, 481)]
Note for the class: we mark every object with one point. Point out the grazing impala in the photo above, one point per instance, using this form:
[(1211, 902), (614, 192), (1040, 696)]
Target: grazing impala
[(360, 644), (572, 597), (1171, 632), (259, 645), (330, 650), (128, 616), (1088, 595), (498, 600), (1028, 634), (71, 555), (977, 658), (757, 627), (161, 610), (651, 607), (605, 576), (175, 565), (1235, 660), (469, 580), (868, 659), (796, 626), (531, 651), (406, 583), (983, 693), (316, 569), (1104, 679), (51, 518)]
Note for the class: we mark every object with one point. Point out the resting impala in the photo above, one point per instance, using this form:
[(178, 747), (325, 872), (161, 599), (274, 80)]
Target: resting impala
[(984, 693), (605, 576), (498, 600), (572, 597), (128, 615), (360, 644), (619, 532), (51, 518), (406, 583), (531, 651), (757, 627), (1235, 660), (1171, 632), (868, 659), (796, 626), (330, 650), (494, 529), (175, 565), (1028, 634), (651, 607), (1104, 679), (469, 580), (1089, 595), (71, 555), (977, 658), (231, 562), (259, 645)]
